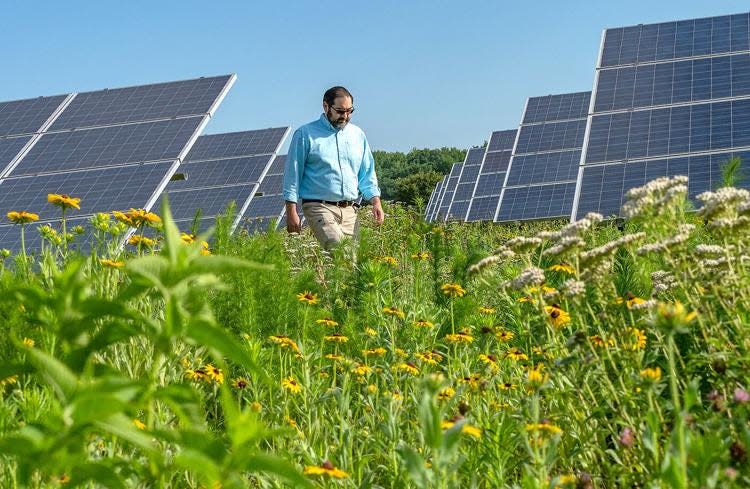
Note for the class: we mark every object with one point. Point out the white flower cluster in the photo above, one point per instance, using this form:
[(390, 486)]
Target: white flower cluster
[(520, 244), (663, 281), (569, 237), (708, 250), (530, 277), (727, 224), (726, 200), (654, 195), (573, 288), (483, 263), (607, 249), (644, 305), (682, 235)]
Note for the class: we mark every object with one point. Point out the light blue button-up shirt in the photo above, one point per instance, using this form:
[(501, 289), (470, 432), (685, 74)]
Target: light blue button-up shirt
[(326, 163)]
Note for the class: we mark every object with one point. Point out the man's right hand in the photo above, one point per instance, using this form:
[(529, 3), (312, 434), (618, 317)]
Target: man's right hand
[(293, 222)]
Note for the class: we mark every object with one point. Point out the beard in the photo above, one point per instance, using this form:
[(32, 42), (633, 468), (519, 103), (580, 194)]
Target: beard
[(337, 123)]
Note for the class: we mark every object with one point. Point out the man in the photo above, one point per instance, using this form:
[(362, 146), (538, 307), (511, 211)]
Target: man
[(328, 165)]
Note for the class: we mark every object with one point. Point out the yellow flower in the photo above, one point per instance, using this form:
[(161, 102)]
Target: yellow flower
[(563, 268), (307, 298), (453, 290), (504, 335), (600, 342), (629, 300), (187, 238), (240, 383), (370, 332), (362, 369), (139, 424), (653, 374), (197, 375), (466, 428), (111, 263), (407, 367), (421, 256), (122, 217), (446, 393), (139, 217), (22, 217), (327, 322), (536, 377), (542, 352), (394, 311), (545, 290), (331, 356), (214, 373), (64, 201), (564, 481), (388, 260), (284, 342), (673, 317), (13, 379), (431, 357), (372, 388), (374, 352), (459, 338), (336, 338), (423, 323), (256, 407), (28, 342), (472, 380), (401, 353), (516, 354), (506, 386), (557, 316), (637, 339), (545, 426), (291, 384), (487, 310), (327, 469), (490, 361), (137, 239)]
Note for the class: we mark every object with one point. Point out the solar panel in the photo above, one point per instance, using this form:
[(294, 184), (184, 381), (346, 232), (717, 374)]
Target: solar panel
[(670, 98), (544, 164), (431, 202), (124, 164), (142, 103), (222, 168), (466, 182), (489, 182), (27, 116), (450, 188)]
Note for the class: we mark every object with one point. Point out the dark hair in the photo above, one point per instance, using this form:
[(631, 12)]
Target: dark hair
[(335, 92)]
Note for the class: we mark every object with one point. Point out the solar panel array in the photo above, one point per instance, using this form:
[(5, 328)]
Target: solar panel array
[(465, 186), (541, 179), (225, 168), (489, 183), (113, 148), (268, 205), (448, 191), (671, 98), (432, 204)]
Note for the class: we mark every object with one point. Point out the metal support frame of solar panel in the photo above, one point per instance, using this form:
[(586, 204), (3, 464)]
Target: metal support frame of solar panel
[(268, 205), (541, 178), (669, 99), (465, 186), (222, 168), (489, 182), (113, 148), (450, 188), (434, 198)]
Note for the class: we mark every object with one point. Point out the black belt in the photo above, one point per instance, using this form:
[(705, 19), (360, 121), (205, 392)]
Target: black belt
[(340, 203)]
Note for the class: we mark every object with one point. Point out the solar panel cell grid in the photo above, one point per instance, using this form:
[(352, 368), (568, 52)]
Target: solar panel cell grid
[(235, 144), (483, 208), (185, 204), (502, 140), (219, 172), (9, 148), (114, 145), (544, 167), (141, 103), (538, 202), (272, 185), (496, 161), (551, 136), (27, 116)]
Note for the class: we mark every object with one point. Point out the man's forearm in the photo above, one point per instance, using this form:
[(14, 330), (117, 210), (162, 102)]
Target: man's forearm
[(291, 207)]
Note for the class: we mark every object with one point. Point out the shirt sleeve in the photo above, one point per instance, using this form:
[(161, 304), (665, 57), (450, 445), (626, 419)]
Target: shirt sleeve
[(367, 179), (294, 167)]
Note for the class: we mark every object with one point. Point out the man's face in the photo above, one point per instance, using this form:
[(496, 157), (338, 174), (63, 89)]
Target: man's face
[(339, 112)]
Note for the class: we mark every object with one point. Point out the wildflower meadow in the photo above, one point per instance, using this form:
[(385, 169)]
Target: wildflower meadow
[(596, 354)]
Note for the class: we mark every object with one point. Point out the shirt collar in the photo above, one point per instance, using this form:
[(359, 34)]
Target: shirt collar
[(326, 123)]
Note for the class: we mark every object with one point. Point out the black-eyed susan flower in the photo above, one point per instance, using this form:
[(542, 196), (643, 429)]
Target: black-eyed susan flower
[(557, 316), (671, 317), (459, 337), (13, 379), (599, 342), (635, 339), (64, 201), (28, 342), (421, 256), (472, 380), (307, 298), (336, 338), (407, 367), (214, 373), (22, 217), (430, 357), (325, 469), (394, 311), (562, 268), (142, 241), (486, 310), (545, 426), (542, 352), (197, 375), (240, 383), (374, 352), (333, 357), (537, 377), (139, 424), (362, 369), (423, 323), (290, 384), (446, 393), (506, 386), (284, 342), (141, 217), (372, 389), (453, 290), (327, 322), (504, 335), (388, 260), (489, 360), (516, 354), (122, 217), (466, 428), (370, 332), (629, 300), (108, 263)]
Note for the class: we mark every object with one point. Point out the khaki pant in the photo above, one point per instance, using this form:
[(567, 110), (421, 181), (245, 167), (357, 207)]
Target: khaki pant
[(329, 223)]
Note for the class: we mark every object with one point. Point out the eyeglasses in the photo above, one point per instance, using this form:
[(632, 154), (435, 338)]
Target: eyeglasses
[(342, 111)]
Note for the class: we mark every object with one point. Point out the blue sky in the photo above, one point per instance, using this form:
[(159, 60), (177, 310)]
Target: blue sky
[(424, 74)]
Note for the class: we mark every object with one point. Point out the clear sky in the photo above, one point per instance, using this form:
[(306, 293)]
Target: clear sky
[(423, 73)]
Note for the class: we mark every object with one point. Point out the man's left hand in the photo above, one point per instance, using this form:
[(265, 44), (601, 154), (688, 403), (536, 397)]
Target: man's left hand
[(377, 210)]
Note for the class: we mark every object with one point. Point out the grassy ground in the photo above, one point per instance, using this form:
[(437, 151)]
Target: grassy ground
[(468, 355)]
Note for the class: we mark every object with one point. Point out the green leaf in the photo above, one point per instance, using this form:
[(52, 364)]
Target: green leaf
[(122, 426), (55, 373), (99, 473), (415, 466), (92, 407), (198, 463), (270, 464)]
